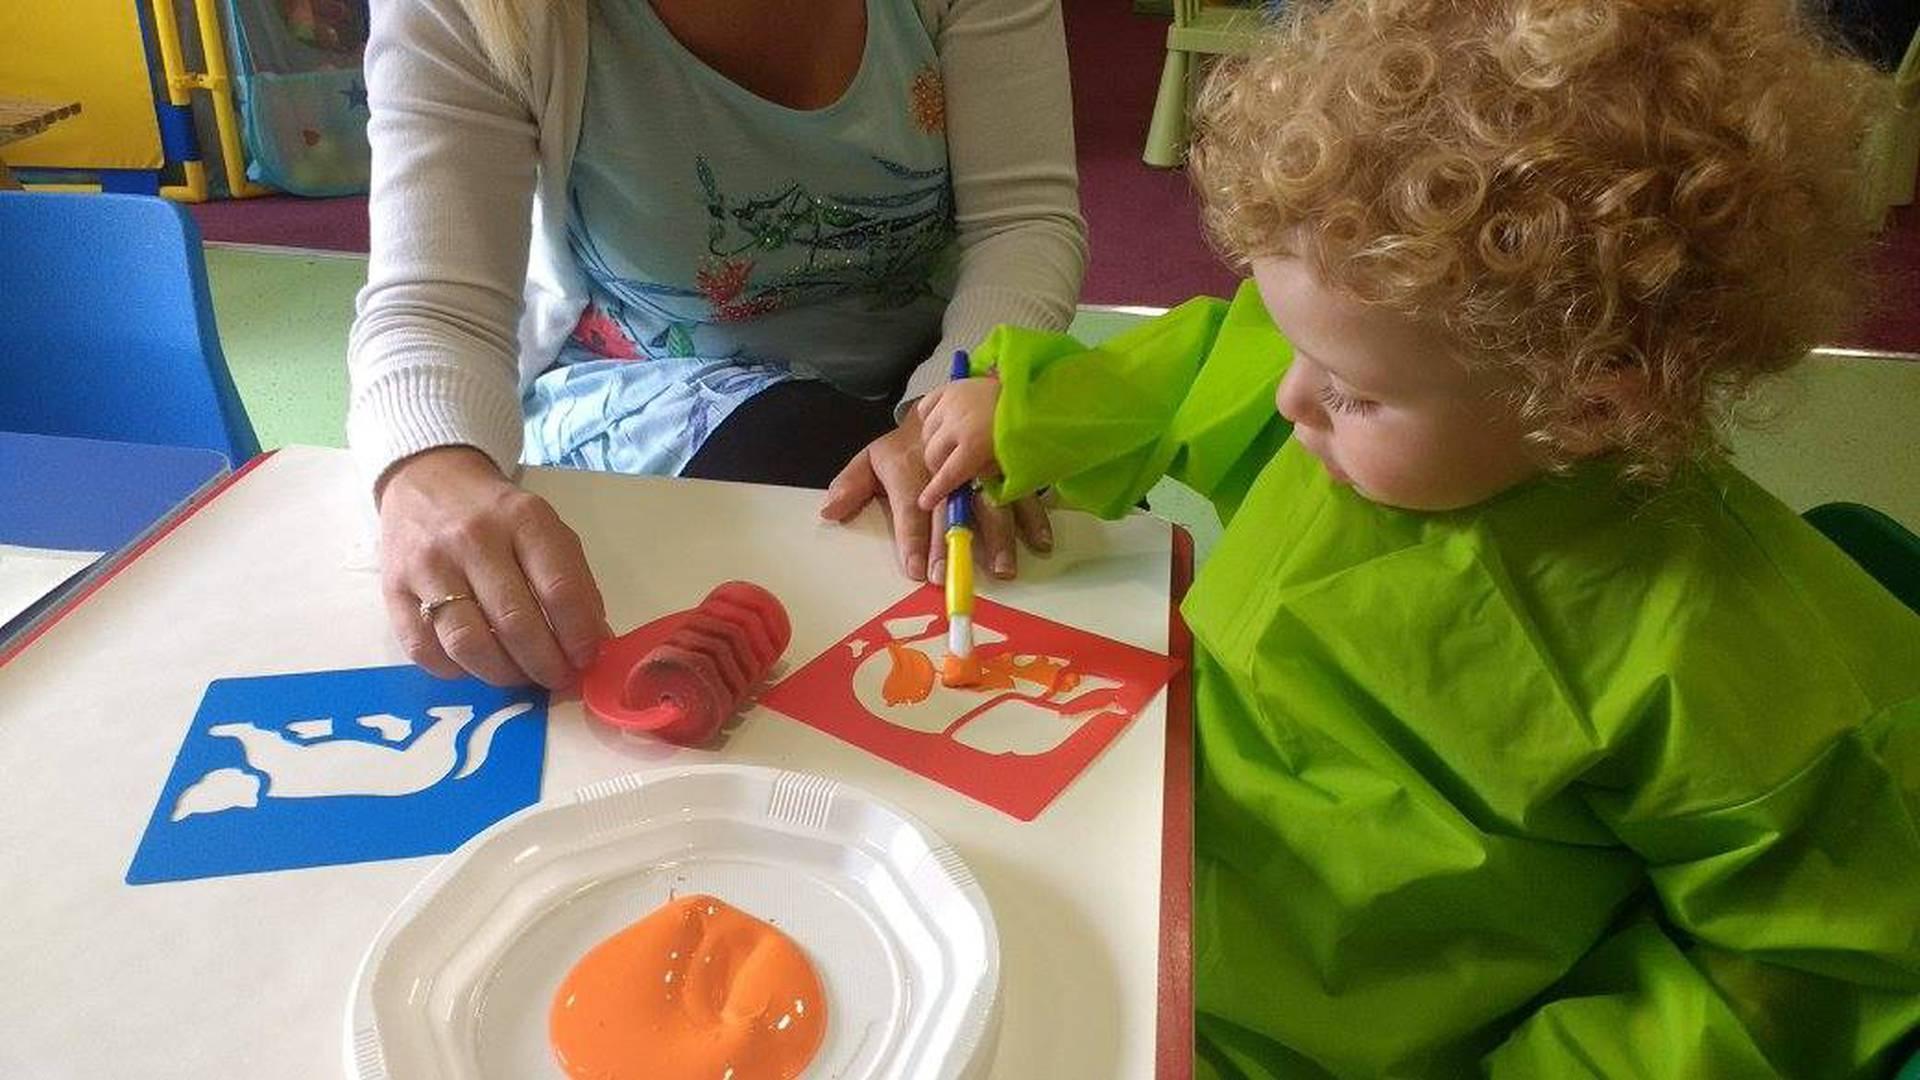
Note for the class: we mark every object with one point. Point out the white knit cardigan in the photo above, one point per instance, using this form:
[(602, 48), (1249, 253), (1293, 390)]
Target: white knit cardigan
[(471, 289)]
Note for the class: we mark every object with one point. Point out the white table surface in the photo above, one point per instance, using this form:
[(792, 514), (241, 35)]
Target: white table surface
[(248, 976)]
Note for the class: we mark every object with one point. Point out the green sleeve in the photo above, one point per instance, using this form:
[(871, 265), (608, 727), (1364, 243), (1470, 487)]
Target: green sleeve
[(1189, 394)]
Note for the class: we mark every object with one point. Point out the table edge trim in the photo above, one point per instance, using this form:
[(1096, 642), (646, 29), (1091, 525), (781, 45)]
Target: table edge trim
[(1174, 1053), (99, 580)]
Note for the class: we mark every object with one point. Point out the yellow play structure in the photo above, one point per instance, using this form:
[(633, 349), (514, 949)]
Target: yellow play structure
[(135, 130)]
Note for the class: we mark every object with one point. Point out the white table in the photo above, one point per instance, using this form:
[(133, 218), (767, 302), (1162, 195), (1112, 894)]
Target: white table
[(248, 976)]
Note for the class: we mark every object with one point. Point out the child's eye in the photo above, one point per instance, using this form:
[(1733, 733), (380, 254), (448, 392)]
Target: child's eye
[(1337, 402)]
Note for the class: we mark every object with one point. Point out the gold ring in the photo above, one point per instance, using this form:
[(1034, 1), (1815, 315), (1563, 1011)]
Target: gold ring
[(429, 607)]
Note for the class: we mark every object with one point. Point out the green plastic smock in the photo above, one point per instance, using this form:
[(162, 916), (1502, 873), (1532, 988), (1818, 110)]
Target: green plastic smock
[(1580, 781)]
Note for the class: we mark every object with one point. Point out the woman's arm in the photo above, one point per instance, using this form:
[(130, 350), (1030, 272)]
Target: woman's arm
[(432, 356), (505, 585), (1023, 250), (1009, 115)]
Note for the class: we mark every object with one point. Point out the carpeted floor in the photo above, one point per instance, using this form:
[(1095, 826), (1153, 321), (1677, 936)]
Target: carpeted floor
[(1144, 229)]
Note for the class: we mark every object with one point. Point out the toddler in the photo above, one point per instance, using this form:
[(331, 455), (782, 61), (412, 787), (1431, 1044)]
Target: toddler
[(1534, 740)]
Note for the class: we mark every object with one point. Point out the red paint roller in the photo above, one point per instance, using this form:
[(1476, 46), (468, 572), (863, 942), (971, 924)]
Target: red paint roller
[(681, 677)]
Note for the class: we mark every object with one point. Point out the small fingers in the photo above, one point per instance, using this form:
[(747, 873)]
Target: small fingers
[(951, 478)]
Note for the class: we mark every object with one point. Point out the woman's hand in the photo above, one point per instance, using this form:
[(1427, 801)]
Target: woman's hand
[(524, 606), (893, 468)]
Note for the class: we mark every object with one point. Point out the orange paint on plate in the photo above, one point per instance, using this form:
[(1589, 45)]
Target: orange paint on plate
[(910, 678), (697, 990)]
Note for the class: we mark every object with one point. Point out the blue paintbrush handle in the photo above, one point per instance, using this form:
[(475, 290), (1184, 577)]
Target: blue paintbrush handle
[(960, 502)]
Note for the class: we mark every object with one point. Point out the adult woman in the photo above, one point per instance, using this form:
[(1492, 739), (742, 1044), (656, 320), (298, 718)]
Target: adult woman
[(750, 221)]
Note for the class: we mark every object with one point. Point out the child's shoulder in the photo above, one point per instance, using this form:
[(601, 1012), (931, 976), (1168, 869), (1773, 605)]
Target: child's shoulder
[(1711, 624)]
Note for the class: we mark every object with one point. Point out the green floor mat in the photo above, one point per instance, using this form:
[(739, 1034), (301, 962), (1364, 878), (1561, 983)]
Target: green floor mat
[(283, 326)]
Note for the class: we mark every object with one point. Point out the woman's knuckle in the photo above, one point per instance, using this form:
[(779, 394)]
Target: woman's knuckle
[(462, 534)]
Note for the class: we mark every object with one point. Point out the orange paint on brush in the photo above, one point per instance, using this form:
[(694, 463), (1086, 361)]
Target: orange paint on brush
[(695, 991), (910, 679), (959, 670)]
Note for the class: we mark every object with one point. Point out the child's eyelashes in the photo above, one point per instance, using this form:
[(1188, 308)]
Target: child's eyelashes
[(1336, 402)]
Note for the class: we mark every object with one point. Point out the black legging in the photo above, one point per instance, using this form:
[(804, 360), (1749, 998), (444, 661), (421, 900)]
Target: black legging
[(798, 434)]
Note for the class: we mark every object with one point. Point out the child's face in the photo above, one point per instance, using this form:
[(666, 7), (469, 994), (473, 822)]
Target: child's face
[(1384, 405)]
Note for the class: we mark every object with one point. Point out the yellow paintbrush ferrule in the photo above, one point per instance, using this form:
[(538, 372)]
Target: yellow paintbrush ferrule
[(958, 667), (959, 571)]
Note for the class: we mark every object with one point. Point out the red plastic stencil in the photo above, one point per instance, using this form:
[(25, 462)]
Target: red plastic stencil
[(1050, 699)]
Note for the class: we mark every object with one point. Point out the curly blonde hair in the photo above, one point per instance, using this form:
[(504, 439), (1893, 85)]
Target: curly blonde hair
[(1575, 190)]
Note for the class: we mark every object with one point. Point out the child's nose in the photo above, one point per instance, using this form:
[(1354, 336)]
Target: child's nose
[(1295, 398)]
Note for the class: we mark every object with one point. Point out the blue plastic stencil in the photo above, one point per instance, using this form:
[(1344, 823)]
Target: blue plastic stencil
[(330, 767)]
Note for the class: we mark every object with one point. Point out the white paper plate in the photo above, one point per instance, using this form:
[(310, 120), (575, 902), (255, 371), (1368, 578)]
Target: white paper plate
[(459, 982)]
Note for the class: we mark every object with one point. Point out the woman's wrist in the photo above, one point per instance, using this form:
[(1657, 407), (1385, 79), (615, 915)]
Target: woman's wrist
[(435, 465)]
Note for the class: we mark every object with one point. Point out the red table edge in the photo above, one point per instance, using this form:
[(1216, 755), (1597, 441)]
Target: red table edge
[(67, 606), (1174, 1054)]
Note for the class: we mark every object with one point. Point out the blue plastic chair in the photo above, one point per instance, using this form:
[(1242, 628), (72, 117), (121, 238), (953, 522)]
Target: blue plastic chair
[(106, 325)]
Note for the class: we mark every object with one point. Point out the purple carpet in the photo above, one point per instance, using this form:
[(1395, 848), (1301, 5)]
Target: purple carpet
[(1145, 231)]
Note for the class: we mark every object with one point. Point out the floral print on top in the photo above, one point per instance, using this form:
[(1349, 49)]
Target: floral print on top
[(731, 243)]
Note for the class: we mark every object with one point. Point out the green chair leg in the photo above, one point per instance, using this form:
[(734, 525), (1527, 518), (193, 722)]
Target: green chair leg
[(1167, 136)]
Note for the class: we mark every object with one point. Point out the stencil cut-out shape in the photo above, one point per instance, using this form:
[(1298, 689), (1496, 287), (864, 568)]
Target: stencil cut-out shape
[(481, 744), (908, 628), (271, 774), (389, 727), (1018, 727), (221, 789), (1049, 698), (306, 770), (857, 647)]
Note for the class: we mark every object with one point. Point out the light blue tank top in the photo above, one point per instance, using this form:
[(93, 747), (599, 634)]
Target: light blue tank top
[(730, 242)]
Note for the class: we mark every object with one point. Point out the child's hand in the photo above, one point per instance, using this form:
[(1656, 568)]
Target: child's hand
[(957, 429)]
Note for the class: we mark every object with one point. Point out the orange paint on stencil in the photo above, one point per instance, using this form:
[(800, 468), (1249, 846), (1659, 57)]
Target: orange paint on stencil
[(910, 679), (696, 990), (998, 672)]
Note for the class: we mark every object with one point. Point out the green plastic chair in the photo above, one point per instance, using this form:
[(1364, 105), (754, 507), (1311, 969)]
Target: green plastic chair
[(1884, 549), (1198, 30), (1893, 147)]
